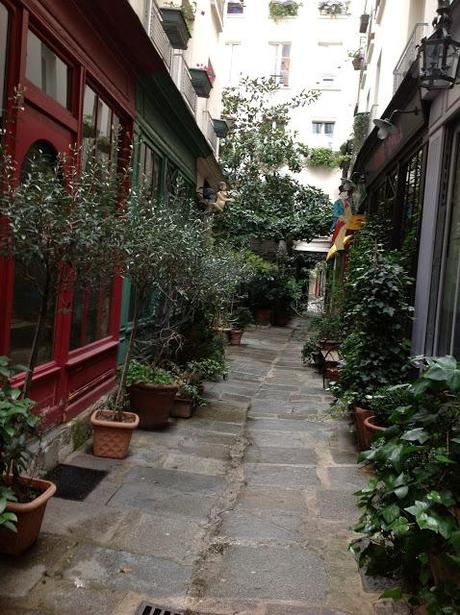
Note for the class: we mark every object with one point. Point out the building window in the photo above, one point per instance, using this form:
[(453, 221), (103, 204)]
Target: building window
[(46, 70), (281, 58), (232, 63), (101, 130), (150, 168), (3, 44), (235, 8), (90, 314), (323, 128)]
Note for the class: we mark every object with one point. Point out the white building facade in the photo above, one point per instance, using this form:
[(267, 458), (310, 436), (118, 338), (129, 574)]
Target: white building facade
[(310, 50)]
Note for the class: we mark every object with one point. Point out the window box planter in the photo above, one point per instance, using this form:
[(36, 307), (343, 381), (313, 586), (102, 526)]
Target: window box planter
[(176, 28), (201, 82), (332, 8), (280, 9), (364, 23), (221, 128), (358, 62)]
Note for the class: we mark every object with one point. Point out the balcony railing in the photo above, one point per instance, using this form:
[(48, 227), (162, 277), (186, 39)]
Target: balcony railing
[(158, 35), (409, 55), (181, 76), (209, 131)]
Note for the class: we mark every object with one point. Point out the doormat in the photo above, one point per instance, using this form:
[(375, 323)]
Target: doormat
[(73, 482)]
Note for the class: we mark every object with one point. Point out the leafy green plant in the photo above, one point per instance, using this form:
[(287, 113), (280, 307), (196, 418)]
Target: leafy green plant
[(241, 317), (141, 373), (410, 510), (333, 7), (208, 369), (279, 9), (323, 157), (17, 425), (387, 400), (191, 392), (360, 130)]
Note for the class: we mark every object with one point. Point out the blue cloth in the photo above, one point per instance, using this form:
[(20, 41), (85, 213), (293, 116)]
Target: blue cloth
[(338, 209)]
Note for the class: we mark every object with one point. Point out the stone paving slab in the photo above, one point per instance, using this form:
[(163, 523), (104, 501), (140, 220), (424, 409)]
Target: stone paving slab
[(243, 509)]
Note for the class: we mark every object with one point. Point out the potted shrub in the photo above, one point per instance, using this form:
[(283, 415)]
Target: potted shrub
[(240, 319), (280, 9), (22, 499), (382, 405), (152, 391), (409, 510), (187, 399)]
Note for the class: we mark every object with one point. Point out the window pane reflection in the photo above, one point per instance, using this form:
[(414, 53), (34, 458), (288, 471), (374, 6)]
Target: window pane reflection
[(3, 42), (90, 314), (45, 70)]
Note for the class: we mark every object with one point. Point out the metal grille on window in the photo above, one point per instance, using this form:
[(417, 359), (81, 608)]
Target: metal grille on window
[(412, 194)]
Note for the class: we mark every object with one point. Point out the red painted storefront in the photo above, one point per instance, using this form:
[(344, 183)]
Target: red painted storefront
[(82, 64)]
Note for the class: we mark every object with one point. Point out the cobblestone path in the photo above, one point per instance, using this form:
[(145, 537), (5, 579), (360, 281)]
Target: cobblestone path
[(243, 509)]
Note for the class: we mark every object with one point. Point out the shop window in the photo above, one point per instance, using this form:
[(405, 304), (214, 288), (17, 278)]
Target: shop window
[(150, 169), (281, 54), (412, 195), (29, 284), (46, 70), (90, 314), (3, 45), (101, 130), (449, 318)]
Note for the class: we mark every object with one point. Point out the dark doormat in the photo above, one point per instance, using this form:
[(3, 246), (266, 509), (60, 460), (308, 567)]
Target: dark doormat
[(73, 482), (151, 609)]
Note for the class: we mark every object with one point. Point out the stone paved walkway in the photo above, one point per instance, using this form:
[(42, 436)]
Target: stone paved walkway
[(243, 509)]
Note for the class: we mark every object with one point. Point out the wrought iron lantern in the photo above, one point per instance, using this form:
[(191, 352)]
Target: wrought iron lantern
[(439, 53)]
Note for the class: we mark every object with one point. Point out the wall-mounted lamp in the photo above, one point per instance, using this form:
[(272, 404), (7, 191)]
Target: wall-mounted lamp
[(386, 126), (439, 54)]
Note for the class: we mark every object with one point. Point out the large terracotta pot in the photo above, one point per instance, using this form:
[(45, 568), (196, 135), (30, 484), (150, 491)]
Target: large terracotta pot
[(30, 517), (264, 315), (282, 319), (153, 404), (442, 571), (182, 408), (112, 438), (373, 430), (361, 414), (235, 337)]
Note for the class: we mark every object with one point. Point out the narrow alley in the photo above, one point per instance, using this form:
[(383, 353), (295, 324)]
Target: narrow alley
[(244, 508)]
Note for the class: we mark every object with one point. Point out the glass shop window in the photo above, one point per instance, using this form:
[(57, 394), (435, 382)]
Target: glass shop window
[(46, 70), (90, 314), (28, 287), (101, 130), (150, 169), (3, 45)]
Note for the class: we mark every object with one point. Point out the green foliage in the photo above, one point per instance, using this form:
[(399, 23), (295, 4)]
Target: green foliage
[(241, 317), (410, 510), (327, 327), (208, 369), (377, 319), (268, 204), (279, 10), (333, 7), (387, 400), (191, 392), (141, 373), (324, 157), (360, 130), (17, 425)]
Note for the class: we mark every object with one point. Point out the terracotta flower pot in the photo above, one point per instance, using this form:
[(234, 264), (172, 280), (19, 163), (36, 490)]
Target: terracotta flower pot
[(282, 319), (372, 429), (153, 404), (30, 517), (182, 408), (235, 337), (361, 414), (111, 438), (264, 315), (441, 570)]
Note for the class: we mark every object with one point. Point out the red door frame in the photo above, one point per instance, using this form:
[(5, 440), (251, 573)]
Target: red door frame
[(73, 379)]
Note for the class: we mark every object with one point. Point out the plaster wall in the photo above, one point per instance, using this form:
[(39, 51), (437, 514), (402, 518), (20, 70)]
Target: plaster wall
[(319, 59)]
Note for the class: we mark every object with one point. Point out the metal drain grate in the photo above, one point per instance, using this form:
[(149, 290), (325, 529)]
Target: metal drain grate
[(151, 609)]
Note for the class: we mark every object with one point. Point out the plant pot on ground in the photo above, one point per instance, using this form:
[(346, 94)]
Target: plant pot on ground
[(152, 392), (382, 405), (187, 399), (361, 414), (264, 316), (22, 500), (240, 318), (112, 433)]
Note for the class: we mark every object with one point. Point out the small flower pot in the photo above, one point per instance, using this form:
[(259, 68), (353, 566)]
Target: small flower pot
[(235, 337), (153, 404), (224, 334), (182, 408), (30, 517), (282, 319), (112, 438), (361, 414), (372, 429), (264, 316)]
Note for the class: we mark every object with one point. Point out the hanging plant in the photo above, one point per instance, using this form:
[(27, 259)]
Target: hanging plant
[(280, 10)]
